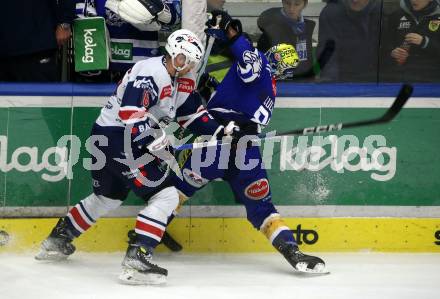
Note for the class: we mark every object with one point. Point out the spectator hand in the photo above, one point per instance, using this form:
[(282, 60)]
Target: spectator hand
[(62, 34), (400, 55), (414, 38)]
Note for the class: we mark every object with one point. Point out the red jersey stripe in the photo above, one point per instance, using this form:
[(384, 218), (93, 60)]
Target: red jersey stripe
[(131, 114)]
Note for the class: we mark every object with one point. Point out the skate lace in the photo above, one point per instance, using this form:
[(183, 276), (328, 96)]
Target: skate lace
[(298, 253), (145, 259)]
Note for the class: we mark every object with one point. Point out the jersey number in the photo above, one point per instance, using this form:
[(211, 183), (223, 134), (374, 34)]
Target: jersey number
[(262, 115)]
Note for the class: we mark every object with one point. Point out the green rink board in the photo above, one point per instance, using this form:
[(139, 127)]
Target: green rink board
[(414, 134)]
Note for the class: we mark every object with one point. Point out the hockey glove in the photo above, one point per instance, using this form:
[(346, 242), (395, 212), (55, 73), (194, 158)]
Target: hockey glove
[(219, 23), (207, 85), (231, 131)]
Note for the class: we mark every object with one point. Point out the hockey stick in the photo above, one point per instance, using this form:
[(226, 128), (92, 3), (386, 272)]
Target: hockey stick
[(403, 96), (323, 59), (210, 42)]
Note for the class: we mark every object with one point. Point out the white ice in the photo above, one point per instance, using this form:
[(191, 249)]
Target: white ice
[(226, 276)]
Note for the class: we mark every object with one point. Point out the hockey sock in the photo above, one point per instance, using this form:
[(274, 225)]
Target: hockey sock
[(273, 227), (182, 199), (85, 213), (151, 222), (149, 231), (79, 219)]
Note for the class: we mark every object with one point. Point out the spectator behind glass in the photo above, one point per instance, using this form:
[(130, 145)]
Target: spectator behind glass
[(129, 43), (287, 25), (412, 43), (215, 4), (354, 25), (30, 34)]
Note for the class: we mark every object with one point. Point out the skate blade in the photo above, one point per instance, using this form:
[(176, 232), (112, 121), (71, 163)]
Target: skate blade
[(56, 256), (134, 277), (318, 269)]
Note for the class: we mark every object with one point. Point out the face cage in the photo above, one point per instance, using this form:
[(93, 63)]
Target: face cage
[(282, 71), (188, 63)]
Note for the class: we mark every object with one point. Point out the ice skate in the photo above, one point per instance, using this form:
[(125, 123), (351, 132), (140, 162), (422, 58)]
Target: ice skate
[(137, 268), (58, 246), (300, 261), (167, 240)]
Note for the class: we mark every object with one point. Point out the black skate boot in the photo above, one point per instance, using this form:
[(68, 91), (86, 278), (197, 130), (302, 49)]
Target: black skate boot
[(300, 261), (167, 240), (138, 269), (58, 246)]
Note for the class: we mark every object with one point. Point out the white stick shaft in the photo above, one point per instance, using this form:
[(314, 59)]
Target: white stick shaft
[(205, 59)]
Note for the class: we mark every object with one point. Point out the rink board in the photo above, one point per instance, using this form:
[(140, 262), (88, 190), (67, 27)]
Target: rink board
[(30, 127), (33, 119), (237, 235)]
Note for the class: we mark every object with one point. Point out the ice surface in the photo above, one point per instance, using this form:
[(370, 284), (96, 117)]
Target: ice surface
[(226, 276)]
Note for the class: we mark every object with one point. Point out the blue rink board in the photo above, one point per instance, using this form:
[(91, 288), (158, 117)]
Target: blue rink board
[(284, 89)]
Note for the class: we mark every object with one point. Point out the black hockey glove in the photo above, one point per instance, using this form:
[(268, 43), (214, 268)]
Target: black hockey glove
[(219, 24), (207, 85)]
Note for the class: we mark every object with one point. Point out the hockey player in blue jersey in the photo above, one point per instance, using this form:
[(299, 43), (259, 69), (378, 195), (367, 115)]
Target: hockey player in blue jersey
[(153, 92), (243, 102)]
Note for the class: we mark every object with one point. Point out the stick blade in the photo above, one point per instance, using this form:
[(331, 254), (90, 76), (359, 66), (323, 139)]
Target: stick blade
[(404, 94)]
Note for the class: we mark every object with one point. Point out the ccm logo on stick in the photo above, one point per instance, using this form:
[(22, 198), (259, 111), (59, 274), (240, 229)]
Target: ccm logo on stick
[(326, 128)]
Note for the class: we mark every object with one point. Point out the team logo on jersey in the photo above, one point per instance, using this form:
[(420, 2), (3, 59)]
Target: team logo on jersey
[(434, 25), (166, 92), (185, 85), (193, 178), (257, 190), (253, 59), (147, 83)]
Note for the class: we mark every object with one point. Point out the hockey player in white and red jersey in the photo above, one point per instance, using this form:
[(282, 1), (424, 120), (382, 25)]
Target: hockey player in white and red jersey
[(129, 127)]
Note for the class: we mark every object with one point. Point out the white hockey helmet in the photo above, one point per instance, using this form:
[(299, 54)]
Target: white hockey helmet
[(185, 42)]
